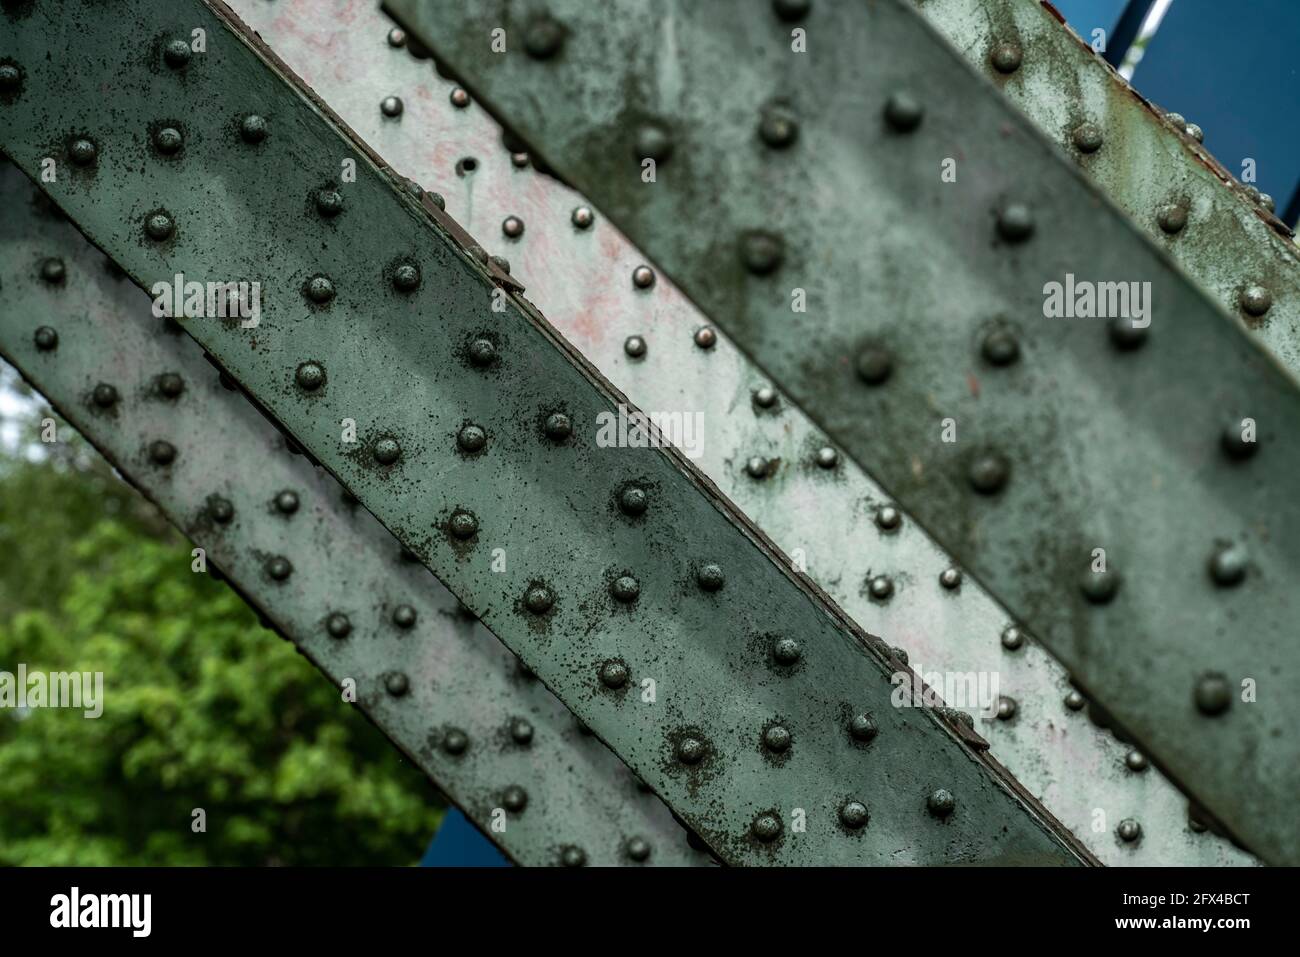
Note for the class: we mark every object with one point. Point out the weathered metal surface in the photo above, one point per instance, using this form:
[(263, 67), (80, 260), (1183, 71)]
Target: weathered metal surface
[(677, 632), (231, 463), (925, 303), (580, 278)]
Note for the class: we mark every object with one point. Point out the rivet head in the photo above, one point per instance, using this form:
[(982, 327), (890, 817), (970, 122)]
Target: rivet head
[(710, 577), (791, 11), (10, 77), (705, 337), (881, 587), (1135, 761), (1126, 336), (1006, 57), (1015, 222), (643, 277), (573, 856), (757, 467), (338, 625), (521, 731), (1007, 708), (863, 728), (310, 376), (158, 226), (279, 568), (1177, 119), (888, 518), (1235, 445), (53, 271), (404, 616), (543, 38), (171, 385), (539, 599), (320, 289), (1129, 830), (83, 152), (1000, 347), (471, 438), (455, 741), (463, 525), (176, 54), (220, 509), (613, 674), (329, 202), (625, 588), (391, 106), (786, 651), (1195, 132), (761, 252), (1256, 300), (653, 142), (396, 37), (512, 226), (162, 452), (989, 472), (777, 738), (168, 140), (1075, 701), (691, 750), (1213, 694), (778, 128), (501, 263), (941, 803), (459, 98), (518, 160), (633, 500), (950, 578), (765, 397), (900, 654), (638, 849), (1087, 137), (874, 365), (406, 277), (582, 217), (387, 451), (1228, 565), (104, 395), (397, 684), (252, 128), (1099, 587), (827, 457), (634, 346), (558, 426), (1266, 201), (853, 814), (1172, 217), (1013, 637), (436, 199), (903, 111), (286, 502), (482, 352), (766, 827), (514, 799)]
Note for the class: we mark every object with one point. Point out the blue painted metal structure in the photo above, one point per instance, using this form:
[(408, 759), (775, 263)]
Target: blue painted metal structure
[(458, 843)]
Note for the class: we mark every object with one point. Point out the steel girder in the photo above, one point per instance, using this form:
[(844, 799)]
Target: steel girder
[(654, 610), (822, 174), (434, 680), (836, 518)]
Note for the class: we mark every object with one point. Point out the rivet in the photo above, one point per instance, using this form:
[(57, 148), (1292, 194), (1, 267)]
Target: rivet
[(633, 500), (459, 98), (406, 277), (903, 111), (1006, 57), (514, 799), (253, 128), (827, 457), (220, 509), (521, 731), (777, 738), (613, 674), (396, 37), (1178, 120), (436, 199), (162, 452), (1007, 708), (625, 588), (387, 451), (1172, 217), (778, 128), (310, 376), (320, 289), (10, 77), (1087, 137), (501, 263), (900, 654), (1136, 761), (168, 140), (1000, 347), (471, 438), (176, 54), (404, 616), (786, 651), (1129, 830), (397, 684), (558, 427), (1235, 444), (582, 217), (941, 803), (765, 397), (171, 385), (1015, 222), (1213, 694), (950, 578), (338, 625), (634, 346), (638, 849), (710, 577), (653, 142), (1266, 201), (482, 352), (279, 568), (104, 395), (391, 106), (874, 365), (1194, 820), (1228, 565), (1195, 132), (158, 226), (863, 727), (881, 587), (538, 599), (573, 856), (1013, 637), (1099, 587), (463, 525), (691, 750), (1126, 336), (83, 152), (53, 271), (643, 277), (888, 518), (479, 253), (543, 38), (988, 472), (766, 827), (757, 467), (705, 337), (853, 814), (1075, 701), (518, 160), (455, 741), (762, 252), (1256, 300), (287, 502), (791, 10), (512, 226)]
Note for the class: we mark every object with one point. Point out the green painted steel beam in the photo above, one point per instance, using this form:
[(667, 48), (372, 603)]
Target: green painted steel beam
[(676, 631), (435, 681), (878, 179)]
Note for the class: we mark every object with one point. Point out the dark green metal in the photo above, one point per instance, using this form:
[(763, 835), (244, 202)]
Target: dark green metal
[(407, 366), (1081, 437), (236, 491)]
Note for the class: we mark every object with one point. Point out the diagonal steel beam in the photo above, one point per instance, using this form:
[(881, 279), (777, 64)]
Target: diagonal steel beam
[(665, 620), (436, 682), (825, 177)]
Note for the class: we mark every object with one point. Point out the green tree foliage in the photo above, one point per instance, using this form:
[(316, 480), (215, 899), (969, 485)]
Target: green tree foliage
[(203, 708)]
